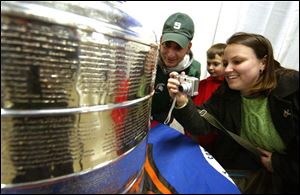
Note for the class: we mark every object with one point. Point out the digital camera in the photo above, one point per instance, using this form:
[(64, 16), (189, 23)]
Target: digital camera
[(188, 85)]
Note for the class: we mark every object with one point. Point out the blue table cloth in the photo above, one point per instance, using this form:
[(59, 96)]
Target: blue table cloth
[(185, 165)]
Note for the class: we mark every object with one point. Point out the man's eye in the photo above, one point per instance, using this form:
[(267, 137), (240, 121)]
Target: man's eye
[(166, 44)]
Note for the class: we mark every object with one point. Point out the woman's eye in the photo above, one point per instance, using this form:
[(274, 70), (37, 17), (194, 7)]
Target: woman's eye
[(236, 62)]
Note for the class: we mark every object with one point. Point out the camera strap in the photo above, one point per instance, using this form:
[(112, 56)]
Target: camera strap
[(246, 144), (170, 112)]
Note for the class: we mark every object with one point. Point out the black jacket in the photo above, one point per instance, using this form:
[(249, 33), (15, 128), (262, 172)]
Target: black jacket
[(225, 105)]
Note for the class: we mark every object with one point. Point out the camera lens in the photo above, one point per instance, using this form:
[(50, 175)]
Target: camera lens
[(180, 88), (185, 87)]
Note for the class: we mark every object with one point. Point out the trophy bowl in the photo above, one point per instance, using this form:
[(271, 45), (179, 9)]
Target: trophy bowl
[(76, 86)]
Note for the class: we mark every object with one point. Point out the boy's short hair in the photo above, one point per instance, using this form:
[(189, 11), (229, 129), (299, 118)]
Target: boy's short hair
[(216, 49)]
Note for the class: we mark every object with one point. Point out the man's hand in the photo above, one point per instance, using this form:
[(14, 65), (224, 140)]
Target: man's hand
[(173, 84)]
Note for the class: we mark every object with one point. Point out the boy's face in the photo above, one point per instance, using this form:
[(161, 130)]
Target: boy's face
[(171, 53), (215, 66)]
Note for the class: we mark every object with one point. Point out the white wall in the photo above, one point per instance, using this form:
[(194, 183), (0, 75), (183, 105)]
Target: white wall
[(216, 21)]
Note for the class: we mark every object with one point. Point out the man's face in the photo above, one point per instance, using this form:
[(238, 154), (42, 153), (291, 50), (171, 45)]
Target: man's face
[(171, 53)]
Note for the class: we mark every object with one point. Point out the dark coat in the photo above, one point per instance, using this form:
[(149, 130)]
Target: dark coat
[(225, 105)]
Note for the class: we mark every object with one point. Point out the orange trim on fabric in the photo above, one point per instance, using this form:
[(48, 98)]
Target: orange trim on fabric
[(136, 186), (160, 186)]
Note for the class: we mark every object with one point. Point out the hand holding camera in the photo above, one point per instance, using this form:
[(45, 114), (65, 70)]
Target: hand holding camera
[(180, 86)]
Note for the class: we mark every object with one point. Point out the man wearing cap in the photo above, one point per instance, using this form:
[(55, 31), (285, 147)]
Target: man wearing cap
[(174, 55)]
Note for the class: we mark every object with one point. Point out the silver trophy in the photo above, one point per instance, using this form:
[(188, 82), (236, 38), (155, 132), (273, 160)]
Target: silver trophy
[(76, 85)]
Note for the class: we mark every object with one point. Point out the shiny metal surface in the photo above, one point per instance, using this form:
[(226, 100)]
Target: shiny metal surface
[(76, 87), (54, 66), (99, 180)]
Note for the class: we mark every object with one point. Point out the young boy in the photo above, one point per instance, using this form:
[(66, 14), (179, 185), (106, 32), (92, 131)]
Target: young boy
[(216, 70), (207, 86)]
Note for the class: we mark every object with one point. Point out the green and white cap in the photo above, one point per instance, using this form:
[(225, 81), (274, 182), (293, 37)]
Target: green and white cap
[(179, 27)]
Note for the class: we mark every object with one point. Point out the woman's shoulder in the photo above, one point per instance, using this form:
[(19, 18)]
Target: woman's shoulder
[(286, 71), (288, 76), (287, 81)]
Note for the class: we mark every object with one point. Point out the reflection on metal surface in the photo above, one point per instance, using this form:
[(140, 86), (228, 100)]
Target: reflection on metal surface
[(98, 108), (38, 63), (76, 87), (53, 66), (63, 144), (106, 179)]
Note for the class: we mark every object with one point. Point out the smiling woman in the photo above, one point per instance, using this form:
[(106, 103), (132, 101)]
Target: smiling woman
[(242, 68), (252, 104)]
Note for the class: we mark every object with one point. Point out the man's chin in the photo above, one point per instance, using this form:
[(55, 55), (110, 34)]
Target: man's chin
[(171, 65)]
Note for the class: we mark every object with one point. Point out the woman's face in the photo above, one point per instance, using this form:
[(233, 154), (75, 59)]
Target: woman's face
[(242, 67), (172, 54)]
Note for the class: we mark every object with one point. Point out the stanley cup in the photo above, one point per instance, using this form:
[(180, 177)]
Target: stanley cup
[(76, 86)]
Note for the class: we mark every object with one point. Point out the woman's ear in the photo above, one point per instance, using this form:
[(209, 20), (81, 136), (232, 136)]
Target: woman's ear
[(264, 62)]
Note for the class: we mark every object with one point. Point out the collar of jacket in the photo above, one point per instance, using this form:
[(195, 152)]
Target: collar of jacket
[(218, 79), (287, 83), (180, 68)]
